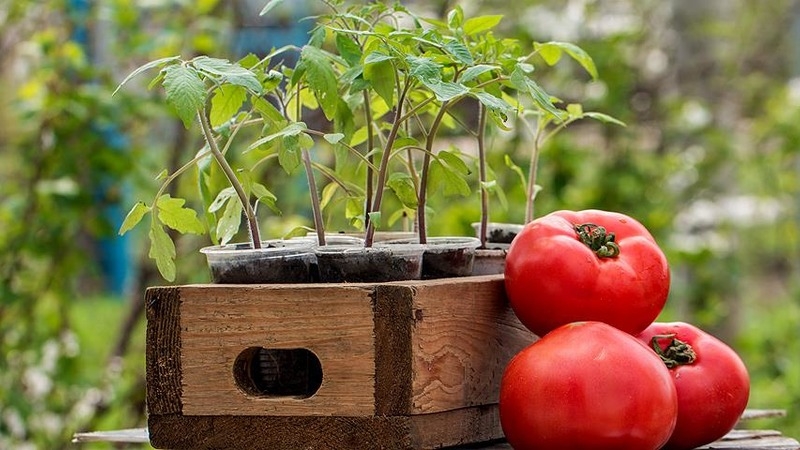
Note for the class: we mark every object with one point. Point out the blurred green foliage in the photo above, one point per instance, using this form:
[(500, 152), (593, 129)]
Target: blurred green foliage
[(708, 162)]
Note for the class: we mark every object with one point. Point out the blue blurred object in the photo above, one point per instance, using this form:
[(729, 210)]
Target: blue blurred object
[(283, 25), (113, 251)]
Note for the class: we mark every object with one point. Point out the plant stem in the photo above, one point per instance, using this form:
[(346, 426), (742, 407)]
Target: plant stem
[(530, 191), (370, 143), (482, 173), (384, 166), (426, 162), (252, 222), (312, 187)]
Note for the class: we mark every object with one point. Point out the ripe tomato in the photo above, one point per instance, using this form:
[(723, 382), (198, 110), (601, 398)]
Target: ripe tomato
[(711, 380), (588, 265), (587, 385)]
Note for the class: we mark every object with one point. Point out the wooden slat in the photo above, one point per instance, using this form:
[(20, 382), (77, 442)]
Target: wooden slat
[(219, 322), (394, 321), (163, 372), (735, 440), (464, 335)]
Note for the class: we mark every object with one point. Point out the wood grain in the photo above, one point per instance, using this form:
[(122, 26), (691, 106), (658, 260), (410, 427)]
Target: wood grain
[(394, 322), (428, 431), (464, 335), (219, 322), (163, 372), (405, 364)]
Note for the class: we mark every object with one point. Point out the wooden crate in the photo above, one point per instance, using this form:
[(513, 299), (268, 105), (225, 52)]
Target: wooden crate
[(404, 365)]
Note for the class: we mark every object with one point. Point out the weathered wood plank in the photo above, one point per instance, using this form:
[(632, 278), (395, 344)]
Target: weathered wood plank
[(163, 372), (437, 430), (219, 322), (464, 335), (394, 322), (735, 440)]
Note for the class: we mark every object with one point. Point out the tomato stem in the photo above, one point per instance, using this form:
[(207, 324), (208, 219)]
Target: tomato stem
[(598, 239), (676, 353)]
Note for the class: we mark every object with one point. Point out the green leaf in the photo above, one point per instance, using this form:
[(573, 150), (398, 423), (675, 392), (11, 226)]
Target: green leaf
[(221, 199), (354, 208), (145, 67), (134, 216), (225, 103), (381, 77), (480, 24), (268, 111), (212, 66), (476, 71), (376, 57), (445, 90), (321, 78), (162, 250), (317, 37), (460, 52), (424, 69), (265, 196), (348, 49), (454, 162), (403, 187), (328, 193), (359, 137), (230, 222), (172, 213), (228, 72), (268, 7), (575, 110), (249, 61), (455, 17), (523, 83), (185, 91), (293, 129), (375, 218), (289, 153), (604, 118), (453, 183), (495, 104), (516, 169), (551, 51), (333, 138), (405, 141)]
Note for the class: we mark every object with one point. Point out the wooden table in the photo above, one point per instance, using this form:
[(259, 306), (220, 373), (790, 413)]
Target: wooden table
[(735, 440)]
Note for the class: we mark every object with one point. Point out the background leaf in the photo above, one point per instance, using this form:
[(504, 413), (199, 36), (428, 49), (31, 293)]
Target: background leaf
[(475, 25), (551, 52)]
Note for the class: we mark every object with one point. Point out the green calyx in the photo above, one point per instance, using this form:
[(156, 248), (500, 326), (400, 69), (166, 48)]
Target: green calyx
[(676, 353), (598, 239)]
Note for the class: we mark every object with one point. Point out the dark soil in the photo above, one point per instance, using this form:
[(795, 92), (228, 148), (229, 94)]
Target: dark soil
[(274, 270), (371, 267)]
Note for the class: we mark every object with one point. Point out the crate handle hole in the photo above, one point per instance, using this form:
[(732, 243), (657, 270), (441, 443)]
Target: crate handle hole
[(278, 372)]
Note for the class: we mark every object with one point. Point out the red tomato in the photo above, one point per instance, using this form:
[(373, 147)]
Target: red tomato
[(587, 385), (711, 380), (615, 273)]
